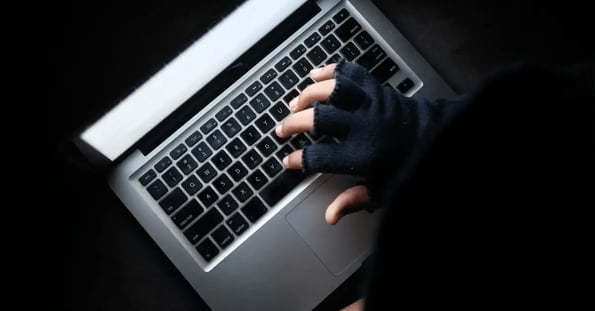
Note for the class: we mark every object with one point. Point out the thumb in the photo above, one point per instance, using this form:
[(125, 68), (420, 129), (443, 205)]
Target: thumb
[(349, 201)]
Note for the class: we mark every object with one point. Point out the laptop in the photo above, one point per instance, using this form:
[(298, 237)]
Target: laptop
[(193, 156)]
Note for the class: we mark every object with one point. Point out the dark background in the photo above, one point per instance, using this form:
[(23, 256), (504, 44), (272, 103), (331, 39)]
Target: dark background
[(88, 252)]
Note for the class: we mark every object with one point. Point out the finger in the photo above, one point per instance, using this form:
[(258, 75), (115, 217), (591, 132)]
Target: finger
[(319, 91), (323, 73), (349, 201), (330, 120), (293, 160), (298, 122), (356, 306)]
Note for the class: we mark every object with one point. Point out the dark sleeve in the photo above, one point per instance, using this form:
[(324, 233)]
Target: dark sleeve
[(495, 211)]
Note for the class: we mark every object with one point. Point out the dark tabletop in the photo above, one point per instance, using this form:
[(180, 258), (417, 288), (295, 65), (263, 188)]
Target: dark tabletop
[(95, 255)]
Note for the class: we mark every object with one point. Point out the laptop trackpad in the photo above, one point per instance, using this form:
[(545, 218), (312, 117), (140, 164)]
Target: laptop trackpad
[(339, 246)]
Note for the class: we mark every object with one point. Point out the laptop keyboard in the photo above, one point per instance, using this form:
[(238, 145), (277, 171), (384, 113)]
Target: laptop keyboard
[(228, 173)]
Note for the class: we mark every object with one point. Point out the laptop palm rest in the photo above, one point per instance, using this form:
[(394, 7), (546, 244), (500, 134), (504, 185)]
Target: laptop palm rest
[(341, 246)]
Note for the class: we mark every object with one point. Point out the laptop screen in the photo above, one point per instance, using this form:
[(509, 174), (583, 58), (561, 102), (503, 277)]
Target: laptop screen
[(121, 127)]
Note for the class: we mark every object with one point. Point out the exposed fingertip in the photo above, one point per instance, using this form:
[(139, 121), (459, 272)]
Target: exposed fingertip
[(279, 130), (293, 103), (286, 161), (315, 72)]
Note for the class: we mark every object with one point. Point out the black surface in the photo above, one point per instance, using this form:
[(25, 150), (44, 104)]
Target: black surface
[(91, 253)]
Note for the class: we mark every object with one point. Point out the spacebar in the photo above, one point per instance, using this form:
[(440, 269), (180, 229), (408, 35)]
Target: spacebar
[(277, 189)]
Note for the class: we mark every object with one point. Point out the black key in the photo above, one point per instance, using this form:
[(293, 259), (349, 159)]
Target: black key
[(191, 185), (208, 126), (157, 189), (193, 138), (202, 152), (254, 209), (326, 28), (284, 151), (405, 85), (350, 51), (250, 135), (279, 111), (227, 205), (257, 179), (237, 171), (198, 230), (292, 94), (221, 160), (341, 16), (304, 84), (208, 197), (281, 185), (252, 159), (334, 59), (283, 64), (312, 39), (238, 101), (147, 177), (278, 139), (222, 183), (187, 164), (297, 52), (163, 164), (385, 70), (274, 91), (316, 56), (236, 147), (272, 167), (372, 57), (260, 102), (242, 192), (363, 40), (265, 123), (266, 146), (206, 172), (178, 151), (223, 113), (303, 67), (172, 177), (268, 76), (222, 236), (187, 214), (216, 140), (348, 29), (237, 223), (288, 79), (245, 115), (207, 250), (173, 200), (253, 88), (300, 141), (231, 127), (330, 44)]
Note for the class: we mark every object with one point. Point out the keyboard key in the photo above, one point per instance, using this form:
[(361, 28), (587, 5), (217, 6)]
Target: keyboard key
[(283, 64), (253, 88), (300, 141), (281, 185), (292, 94), (198, 230), (216, 140), (265, 123), (303, 67), (208, 197), (385, 70), (316, 56), (242, 192), (178, 151), (231, 127), (272, 167), (163, 164), (206, 172), (187, 164), (274, 91), (193, 138), (257, 179), (222, 236), (221, 160), (223, 113), (173, 200), (260, 102), (208, 126), (254, 209), (245, 115), (157, 189), (405, 85), (363, 40), (236, 147), (268, 76), (202, 152), (237, 171), (326, 28), (222, 183), (350, 51), (279, 111), (252, 159), (330, 44), (288, 79), (341, 16), (312, 39), (348, 29), (238, 101), (304, 84), (187, 214), (250, 135), (237, 223), (266, 146), (372, 57), (191, 185), (207, 250), (147, 177), (227, 205), (334, 59), (284, 151), (297, 52), (172, 177)]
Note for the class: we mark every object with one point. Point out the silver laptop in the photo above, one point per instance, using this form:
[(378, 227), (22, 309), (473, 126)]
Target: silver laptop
[(194, 157)]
